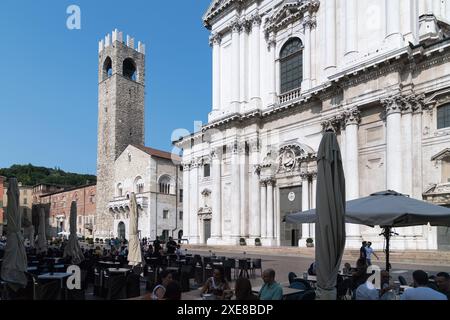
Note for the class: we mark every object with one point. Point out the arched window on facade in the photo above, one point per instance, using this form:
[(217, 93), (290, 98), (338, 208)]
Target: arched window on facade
[(139, 185), (119, 190), (443, 116), (107, 68), (291, 65), (129, 69), (165, 184)]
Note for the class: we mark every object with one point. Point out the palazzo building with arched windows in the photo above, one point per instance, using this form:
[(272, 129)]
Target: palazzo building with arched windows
[(376, 72)]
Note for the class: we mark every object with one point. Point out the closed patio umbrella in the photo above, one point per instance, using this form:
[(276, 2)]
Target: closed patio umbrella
[(330, 226), (42, 238), (134, 245), (387, 209), (15, 258), (73, 248)]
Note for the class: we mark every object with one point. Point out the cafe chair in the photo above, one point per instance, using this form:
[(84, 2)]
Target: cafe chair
[(402, 281), (117, 288), (48, 290), (133, 285)]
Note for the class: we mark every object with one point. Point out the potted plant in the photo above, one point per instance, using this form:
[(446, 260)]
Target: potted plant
[(258, 242), (309, 243), (242, 242)]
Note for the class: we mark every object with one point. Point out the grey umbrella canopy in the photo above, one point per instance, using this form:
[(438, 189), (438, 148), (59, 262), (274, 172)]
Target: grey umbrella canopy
[(330, 226), (41, 245), (15, 258), (134, 245), (73, 248), (388, 209), (385, 209)]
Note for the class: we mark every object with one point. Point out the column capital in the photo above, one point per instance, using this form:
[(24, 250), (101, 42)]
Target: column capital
[(309, 23), (262, 183), (186, 165), (235, 26), (215, 39), (233, 147), (256, 19), (270, 182), (195, 163), (255, 145), (305, 175), (335, 123), (352, 117), (392, 104), (216, 153), (271, 41)]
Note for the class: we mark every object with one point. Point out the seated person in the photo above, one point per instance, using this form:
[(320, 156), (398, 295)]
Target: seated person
[(217, 285), (271, 290), (360, 275), (347, 270), (164, 278), (367, 290), (443, 283), (243, 290), (312, 269), (421, 291), (173, 291)]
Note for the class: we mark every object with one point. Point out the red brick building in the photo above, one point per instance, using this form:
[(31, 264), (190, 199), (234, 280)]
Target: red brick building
[(60, 202)]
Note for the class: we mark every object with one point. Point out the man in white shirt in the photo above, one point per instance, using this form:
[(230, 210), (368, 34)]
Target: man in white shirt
[(420, 290), (369, 252)]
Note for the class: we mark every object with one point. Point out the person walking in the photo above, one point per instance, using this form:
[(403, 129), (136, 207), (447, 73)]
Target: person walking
[(369, 253)]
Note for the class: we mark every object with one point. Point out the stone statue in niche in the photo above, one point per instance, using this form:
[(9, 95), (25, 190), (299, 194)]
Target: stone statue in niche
[(287, 160)]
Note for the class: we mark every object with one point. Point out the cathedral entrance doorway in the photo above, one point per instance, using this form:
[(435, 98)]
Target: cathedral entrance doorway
[(206, 230), (290, 202)]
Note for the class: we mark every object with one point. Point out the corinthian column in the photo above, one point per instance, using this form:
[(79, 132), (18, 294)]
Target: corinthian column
[(193, 219), (393, 31), (305, 203), (236, 192), (243, 162), (306, 83), (351, 28), (215, 41), (255, 71), (216, 194), (407, 143), (270, 210), (330, 36), (393, 144), (263, 189), (352, 120), (235, 66), (272, 67), (255, 192), (186, 199)]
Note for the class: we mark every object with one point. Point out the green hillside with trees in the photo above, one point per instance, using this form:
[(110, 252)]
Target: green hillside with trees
[(30, 175)]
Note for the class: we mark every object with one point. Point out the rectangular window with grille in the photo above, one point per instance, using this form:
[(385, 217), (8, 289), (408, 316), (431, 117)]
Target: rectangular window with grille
[(165, 214), (443, 116), (181, 215), (181, 195)]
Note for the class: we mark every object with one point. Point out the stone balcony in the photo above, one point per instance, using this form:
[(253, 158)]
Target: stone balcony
[(122, 204), (289, 96)]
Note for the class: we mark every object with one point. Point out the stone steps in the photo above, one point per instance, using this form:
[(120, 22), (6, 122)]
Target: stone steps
[(413, 257)]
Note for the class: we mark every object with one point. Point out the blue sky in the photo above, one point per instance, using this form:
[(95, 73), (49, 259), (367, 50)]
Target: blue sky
[(48, 75)]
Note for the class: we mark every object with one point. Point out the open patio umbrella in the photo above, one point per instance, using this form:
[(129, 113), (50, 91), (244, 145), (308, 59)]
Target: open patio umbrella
[(134, 245), (387, 209), (330, 226), (73, 248), (15, 258), (42, 238)]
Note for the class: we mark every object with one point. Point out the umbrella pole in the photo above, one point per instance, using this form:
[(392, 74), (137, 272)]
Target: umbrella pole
[(387, 234)]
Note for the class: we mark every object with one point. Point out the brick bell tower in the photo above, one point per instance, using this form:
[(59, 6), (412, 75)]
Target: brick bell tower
[(121, 94)]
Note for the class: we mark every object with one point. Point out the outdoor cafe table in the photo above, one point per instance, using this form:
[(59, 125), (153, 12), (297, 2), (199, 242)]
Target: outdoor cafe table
[(119, 270), (112, 263), (286, 291), (55, 276)]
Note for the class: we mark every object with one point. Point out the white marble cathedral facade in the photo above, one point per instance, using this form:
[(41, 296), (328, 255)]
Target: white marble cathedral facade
[(376, 71)]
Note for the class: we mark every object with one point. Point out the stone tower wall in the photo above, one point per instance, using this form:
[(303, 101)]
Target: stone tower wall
[(120, 117)]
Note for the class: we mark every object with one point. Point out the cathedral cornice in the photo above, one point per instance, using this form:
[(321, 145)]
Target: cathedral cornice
[(217, 7), (289, 12)]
